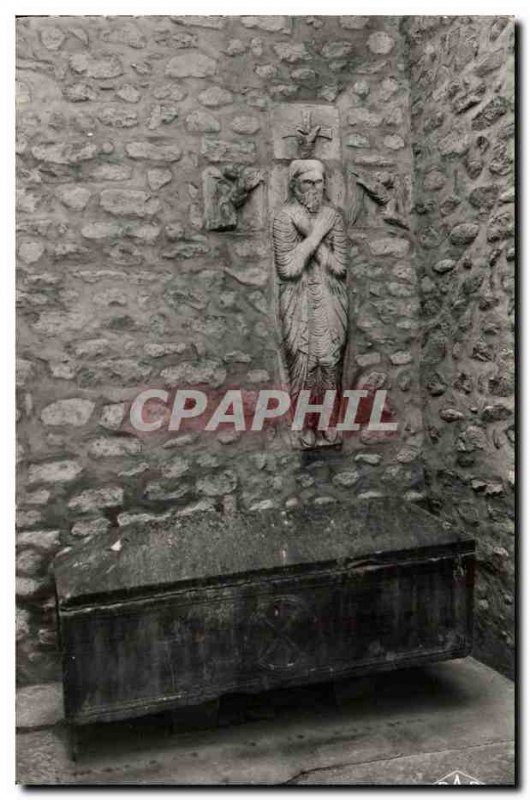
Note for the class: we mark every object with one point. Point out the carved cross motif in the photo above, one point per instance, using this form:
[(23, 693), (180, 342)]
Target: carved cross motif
[(280, 633), (307, 134)]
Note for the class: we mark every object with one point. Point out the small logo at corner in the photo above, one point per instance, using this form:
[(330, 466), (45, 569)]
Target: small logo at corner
[(458, 778)]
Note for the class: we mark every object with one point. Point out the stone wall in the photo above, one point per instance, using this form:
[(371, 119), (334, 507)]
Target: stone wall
[(121, 286), (462, 89)]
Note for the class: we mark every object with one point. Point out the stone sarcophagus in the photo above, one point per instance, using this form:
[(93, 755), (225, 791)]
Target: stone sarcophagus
[(155, 619)]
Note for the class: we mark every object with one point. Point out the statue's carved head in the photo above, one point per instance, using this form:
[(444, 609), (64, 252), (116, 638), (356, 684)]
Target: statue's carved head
[(307, 179)]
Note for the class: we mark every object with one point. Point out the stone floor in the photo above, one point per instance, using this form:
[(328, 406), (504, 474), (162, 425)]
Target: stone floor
[(402, 728)]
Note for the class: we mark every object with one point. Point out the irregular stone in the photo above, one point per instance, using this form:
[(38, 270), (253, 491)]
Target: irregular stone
[(112, 416), (500, 227), (473, 438), (368, 359), (52, 37), (30, 252), (400, 290), (153, 152), (401, 358), (38, 498), (216, 150), (73, 196), (353, 23), (185, 250), (388, 246), (110, 448), (74, 411), (92, 499), (482, 351), (291, 52), (219, 484), (54, 472), (252, 276), (380, 42), (346, 479), (272, 24), (129, 202), (157, 490), (156, 349), (22, 622), (100, 68), (129, 93), (90, 527), (101, 230), (329, 92), (191, 65), (361, 116), (245, 124), (157, 178), (111, 172), (141, 518), (64, 152), (304, 75), (215, 96), (434, 180), (484, 197), (117, 117), (202, 122), (436, 385), (208, 372), (496, 413), (39, 706), (47, 541), (26, 519), (394, 142), (493, 60), (207, 21), (494, 110), (161, 114), (80, 92), (332, 50), (235, 47), (468, 97), (451, 414), (502, 158), (373, 160), (175, 468), (357, 140), (373, 459), (258, 376), (455, 143), (464, 233), (443, 266)]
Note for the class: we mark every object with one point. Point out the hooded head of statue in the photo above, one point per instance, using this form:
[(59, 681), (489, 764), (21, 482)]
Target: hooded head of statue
[(307, 183)]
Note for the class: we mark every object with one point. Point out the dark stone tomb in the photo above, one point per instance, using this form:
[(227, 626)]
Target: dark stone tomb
[(157, 618)]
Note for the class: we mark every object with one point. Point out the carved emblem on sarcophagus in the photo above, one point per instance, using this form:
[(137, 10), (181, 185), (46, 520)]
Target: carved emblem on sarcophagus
[(279, 633)]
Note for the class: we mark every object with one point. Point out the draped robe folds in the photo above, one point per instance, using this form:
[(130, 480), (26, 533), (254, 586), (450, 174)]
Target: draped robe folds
[(312, 301)]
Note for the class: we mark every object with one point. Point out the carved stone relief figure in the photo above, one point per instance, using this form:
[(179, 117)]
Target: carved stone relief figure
[(225, 191), (310, 256)]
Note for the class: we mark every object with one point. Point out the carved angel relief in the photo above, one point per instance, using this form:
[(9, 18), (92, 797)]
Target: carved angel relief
[(384, 192), (225, 191)]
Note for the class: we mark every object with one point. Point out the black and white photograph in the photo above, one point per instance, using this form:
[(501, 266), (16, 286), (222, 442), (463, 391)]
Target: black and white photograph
[(265, 321)]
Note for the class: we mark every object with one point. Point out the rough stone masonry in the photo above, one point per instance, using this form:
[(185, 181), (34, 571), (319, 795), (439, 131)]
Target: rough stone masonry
[(122, 284)]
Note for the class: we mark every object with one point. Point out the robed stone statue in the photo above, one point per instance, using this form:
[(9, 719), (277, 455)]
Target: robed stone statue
[(310, 254)]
